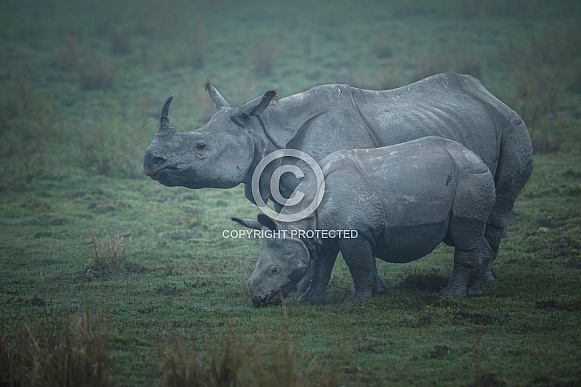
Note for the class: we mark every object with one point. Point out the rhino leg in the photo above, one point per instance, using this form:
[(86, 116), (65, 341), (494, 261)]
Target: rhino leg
[(493, 236), (486, 257), (304, 283), (467, 268), (358, 255), (379, 287), (515, 165), (320, 273), (472, 256)]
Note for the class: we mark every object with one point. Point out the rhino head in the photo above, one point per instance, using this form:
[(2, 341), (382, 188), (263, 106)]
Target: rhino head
[(282, 263), (220, 154)]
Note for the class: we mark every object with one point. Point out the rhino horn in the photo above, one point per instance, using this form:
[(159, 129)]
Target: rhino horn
[(216, 96), (164, 121)]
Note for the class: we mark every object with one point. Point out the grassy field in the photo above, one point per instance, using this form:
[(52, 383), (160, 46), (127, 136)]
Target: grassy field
[(107, 277)]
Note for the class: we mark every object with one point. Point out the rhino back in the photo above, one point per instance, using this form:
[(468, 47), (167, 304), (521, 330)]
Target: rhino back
[(448, 105), (403, 185), (319, 121), (332, 117)]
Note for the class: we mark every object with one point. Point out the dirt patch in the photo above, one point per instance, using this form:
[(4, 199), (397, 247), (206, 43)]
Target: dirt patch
[(561, 247), (173, 290), (146, 310), (489, 380), (37, 301), (36, 205), (552, 305), (431, 281), (440, 352), (462, 317), (133, 267)]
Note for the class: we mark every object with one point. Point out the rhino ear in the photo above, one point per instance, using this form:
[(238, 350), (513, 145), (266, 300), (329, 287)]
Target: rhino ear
[(219, 101), (250, 223), (257, 105), (267, 222), (267, 98)]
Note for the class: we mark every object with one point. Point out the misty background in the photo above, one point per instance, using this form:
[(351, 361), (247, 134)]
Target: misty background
[(82, 83)]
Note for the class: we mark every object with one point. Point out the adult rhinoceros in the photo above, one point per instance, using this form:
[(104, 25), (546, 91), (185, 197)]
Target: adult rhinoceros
[(225, 152)]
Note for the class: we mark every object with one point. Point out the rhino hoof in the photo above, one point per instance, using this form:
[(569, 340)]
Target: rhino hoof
[(378, 288), (312, 300), (360, 296), (488, 276), (474, 293), (451, 292), (312, 297), (474, 290)]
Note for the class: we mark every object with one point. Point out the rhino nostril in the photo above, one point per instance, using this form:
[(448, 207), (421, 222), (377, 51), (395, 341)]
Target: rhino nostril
[(158, 161)]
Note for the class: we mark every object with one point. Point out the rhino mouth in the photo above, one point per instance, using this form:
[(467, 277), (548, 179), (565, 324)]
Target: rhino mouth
[(260, 302), (273, 298), (164, 175), (156, 172), (172, 177), (155, 175)]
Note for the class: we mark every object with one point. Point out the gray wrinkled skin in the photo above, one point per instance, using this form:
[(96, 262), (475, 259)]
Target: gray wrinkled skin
[(403, 200), (224, 152)]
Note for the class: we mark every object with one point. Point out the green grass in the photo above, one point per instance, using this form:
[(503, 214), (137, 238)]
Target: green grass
[(83, 231), (179, 277)]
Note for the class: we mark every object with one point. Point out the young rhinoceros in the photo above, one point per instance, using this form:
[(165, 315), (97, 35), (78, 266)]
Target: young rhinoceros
[(399, 201)]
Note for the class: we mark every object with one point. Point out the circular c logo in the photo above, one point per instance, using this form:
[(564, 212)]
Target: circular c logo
[(298, 196)]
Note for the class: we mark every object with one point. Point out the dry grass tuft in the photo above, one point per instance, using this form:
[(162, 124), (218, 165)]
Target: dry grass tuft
[(281, 365), (261, 362), (58, 356), (186, 367), (110, 252)]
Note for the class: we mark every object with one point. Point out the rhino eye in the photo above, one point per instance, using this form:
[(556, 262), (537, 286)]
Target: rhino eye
[(273, 270), (200, 146)]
